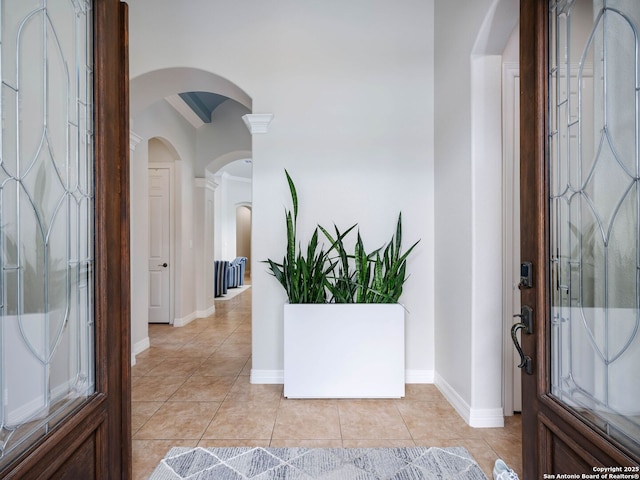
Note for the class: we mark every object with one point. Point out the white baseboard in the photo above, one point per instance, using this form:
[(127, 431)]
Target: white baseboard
[(267, 377), (181, 322), (139, 347), (277, 376), (475, 417), (486, 418), (456, 401), (419, 376), (206, 313)]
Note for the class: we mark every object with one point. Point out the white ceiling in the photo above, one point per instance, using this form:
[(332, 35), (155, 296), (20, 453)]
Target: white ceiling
[(239, 168)]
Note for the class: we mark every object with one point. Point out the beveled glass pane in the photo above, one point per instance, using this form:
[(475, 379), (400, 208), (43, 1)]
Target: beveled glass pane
[(595, 211), (46, 217)]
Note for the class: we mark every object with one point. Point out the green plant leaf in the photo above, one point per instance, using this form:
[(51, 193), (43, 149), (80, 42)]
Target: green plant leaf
[(294, 195), (308, 275)]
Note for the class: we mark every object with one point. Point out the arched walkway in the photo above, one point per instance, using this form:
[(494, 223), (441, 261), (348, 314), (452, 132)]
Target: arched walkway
[(150, 87), (153, 119)]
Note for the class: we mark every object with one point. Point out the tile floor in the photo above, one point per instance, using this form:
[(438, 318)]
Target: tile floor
[(192, 388)]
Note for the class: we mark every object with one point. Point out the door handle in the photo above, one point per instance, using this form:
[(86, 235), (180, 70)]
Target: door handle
[(165, 265), (527, 325)]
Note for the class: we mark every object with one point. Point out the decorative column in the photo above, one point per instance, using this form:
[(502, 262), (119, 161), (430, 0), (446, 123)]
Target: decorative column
[(204, 245)]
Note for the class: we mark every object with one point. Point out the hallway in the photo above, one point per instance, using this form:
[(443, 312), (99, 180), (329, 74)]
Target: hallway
[(191, 388)]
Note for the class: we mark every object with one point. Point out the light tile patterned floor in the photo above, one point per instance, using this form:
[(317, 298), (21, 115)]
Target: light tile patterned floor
[(191, 388)]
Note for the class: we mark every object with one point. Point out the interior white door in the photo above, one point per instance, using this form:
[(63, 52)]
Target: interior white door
[(159, 246)]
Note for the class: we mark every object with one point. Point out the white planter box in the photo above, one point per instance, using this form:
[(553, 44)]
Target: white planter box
[(343, 351)]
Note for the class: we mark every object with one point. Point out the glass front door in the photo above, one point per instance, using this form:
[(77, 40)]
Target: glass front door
[(594, 151), (46, 217)]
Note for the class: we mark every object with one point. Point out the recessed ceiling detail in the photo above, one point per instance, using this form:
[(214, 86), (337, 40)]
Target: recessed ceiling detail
[(203, 103)]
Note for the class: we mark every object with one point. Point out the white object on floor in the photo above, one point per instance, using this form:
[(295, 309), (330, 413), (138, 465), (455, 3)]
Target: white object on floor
[(502, 472)]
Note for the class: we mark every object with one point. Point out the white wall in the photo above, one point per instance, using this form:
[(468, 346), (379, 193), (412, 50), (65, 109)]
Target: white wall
[(453, 239), (351, 87), (468, 204), (139, 219)]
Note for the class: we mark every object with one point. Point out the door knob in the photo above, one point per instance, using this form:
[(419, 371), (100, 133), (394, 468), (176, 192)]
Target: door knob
[(525, 360), (165, 265), (527, 325)]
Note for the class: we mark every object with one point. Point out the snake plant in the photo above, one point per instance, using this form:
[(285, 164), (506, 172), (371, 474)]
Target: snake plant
[(335, 275), (377, 277), (302, 275)]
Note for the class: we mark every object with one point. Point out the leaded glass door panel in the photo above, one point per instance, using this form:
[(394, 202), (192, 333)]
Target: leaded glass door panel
[(580, 164), (46, 207), (594, 199), (62, 411)]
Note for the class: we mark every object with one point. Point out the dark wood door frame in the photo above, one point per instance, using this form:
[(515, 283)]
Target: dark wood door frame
[(533, 94), (95, 441), (555, 440)]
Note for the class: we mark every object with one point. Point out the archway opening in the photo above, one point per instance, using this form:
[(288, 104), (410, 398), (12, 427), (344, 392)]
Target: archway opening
[(171, 136)]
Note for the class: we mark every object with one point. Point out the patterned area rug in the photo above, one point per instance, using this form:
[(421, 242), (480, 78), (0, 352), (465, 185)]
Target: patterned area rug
[(243, 463)]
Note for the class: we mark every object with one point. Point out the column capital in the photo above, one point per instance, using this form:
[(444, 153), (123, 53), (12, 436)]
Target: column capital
[(257, 122), (134, 140), (206, 183)]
